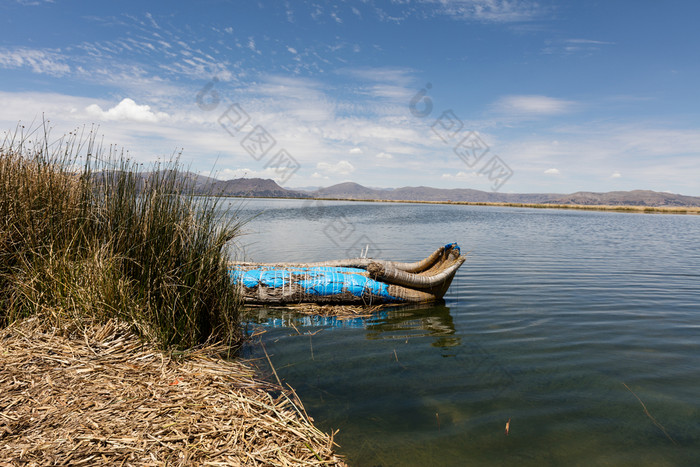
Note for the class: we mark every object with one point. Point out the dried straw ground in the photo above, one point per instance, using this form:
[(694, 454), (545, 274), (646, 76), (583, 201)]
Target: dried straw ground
[(100, 396)]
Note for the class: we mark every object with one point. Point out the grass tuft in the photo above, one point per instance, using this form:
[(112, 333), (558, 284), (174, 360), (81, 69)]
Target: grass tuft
[(86, 236)]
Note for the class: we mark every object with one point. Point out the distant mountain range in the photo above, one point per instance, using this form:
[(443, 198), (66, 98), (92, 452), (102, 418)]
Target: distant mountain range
[(421, 193), (265, 188)]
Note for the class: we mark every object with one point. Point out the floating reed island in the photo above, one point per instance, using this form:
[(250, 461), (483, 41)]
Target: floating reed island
[(115, 304)]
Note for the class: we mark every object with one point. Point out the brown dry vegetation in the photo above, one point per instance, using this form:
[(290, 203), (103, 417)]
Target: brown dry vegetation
[(103, 279), (601, 207), (98, 395)]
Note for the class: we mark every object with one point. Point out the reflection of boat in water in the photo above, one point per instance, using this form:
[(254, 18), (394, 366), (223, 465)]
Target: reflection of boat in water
[(354, 281), (406, 322), (395, 322)]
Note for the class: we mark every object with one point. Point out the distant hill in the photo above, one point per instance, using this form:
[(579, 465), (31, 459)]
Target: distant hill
[(200, 181), (622, 198), (347, 190), (252, 188), (265, 188), (200, 184)]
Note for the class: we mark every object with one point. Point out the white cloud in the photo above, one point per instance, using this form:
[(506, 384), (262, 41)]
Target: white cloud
[(297, 97), (471, 176), (292, 50), (340, 168), (289, 12), (552, 172), (384, 155), (574, 46), (39, 61), (492, 11), (355, 150), (317, 12), (587, 41), (616, 174), (33, 2), (127, 109), (251, 45), (532, 105), (388, 91), (230, 174), (387, 75)]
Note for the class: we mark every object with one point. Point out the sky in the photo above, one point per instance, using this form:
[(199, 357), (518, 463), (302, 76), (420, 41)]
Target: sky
[(498, 95)]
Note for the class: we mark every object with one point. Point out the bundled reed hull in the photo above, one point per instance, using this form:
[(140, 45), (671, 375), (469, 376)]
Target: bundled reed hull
[(349, 281)]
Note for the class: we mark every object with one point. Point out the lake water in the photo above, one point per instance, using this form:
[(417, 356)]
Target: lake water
[(581, 328)]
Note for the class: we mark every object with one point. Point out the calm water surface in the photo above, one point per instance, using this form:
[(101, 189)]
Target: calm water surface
[(559, 321)]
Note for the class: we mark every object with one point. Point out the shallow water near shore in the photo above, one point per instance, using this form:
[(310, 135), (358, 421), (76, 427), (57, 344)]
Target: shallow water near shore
[(581, 328)]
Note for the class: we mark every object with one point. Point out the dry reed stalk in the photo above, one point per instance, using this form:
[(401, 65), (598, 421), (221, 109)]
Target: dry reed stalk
[(102, 396), (653, 420)]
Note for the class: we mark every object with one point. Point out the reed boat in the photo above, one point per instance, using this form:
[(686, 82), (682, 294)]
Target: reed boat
[(361, 281)]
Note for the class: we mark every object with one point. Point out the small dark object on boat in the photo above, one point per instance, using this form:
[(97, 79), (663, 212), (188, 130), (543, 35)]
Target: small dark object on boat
[(353, 281)]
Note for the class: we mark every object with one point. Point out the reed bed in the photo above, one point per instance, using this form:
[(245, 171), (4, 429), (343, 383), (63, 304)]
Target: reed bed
[(111, 277), (103, 396), (599, 207), (86, 233)]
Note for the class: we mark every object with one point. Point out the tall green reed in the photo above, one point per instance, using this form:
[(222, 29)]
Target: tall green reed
[(86, 234)]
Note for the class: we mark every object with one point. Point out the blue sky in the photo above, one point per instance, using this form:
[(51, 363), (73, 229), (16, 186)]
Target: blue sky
[(561, 96)]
